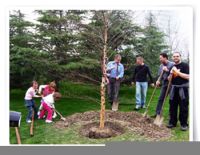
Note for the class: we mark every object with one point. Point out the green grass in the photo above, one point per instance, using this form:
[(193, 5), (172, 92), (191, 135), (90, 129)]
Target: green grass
[(77, 98)]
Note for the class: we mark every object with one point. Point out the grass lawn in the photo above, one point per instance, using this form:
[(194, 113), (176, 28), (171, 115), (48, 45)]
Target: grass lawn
[(77, 98)]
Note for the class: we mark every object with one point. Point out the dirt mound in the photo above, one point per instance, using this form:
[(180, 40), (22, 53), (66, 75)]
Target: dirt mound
[(132, 121), (111, 129)]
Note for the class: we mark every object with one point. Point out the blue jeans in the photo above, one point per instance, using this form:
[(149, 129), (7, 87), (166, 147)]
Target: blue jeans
[(30, 104), (141, 92)]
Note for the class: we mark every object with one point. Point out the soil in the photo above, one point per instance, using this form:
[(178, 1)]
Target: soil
[(116, 123), (111, 129)]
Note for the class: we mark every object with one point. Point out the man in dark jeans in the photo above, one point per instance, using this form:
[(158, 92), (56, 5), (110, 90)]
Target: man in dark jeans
[(179, 94), (164, 69), (140, 77), (115, 73)]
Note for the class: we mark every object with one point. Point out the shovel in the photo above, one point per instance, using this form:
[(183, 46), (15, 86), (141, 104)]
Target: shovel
[(61, 116), (159, 118), (115, 106), (146, 111)]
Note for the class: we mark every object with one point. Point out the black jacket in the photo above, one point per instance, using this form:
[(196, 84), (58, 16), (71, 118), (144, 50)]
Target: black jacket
[(140, 74)]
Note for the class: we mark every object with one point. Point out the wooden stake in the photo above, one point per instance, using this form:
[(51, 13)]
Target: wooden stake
[(17, 135), (32, 125)]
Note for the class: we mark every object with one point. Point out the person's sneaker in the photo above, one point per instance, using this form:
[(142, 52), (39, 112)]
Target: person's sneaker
[(137, 107), (28, 121), (143, 107), (48, 121), (171, 126), (184, 128), (42, 118)]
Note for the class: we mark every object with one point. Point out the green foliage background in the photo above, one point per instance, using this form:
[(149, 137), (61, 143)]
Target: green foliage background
[(63, 44)]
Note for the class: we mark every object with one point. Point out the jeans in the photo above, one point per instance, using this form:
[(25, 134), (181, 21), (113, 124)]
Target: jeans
[(141, 92), (30, 104)]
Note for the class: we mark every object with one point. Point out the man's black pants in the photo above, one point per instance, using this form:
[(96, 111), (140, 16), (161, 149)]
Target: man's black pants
[(113, 90), (183, 108), (161, 98)]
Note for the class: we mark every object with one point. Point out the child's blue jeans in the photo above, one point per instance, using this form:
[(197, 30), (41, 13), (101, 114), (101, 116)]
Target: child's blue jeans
[(30, 104)]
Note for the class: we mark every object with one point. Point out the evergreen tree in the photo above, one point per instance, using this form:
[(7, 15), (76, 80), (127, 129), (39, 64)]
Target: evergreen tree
[(58, 33), (27, 60), (150, 43), (21, 49)]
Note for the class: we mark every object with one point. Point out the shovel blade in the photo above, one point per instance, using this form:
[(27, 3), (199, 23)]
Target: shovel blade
[(63, 119), (158, 120), (144, 114), (115, 106)]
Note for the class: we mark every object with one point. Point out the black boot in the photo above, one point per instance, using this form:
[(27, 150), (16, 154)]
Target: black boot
[(171, 126)]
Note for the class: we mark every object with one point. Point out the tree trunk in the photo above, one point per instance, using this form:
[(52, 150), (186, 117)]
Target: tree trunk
[(102, 113), (103, 66)]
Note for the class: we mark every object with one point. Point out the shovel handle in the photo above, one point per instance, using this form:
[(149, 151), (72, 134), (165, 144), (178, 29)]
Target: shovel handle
[(17, 135), (59, 114), (159, 78), (151, 96), (32, 124)]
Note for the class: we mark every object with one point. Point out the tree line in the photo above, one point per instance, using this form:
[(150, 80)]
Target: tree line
[(67, 44)]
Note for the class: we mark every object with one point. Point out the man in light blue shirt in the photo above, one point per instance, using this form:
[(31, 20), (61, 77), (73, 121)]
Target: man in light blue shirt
[(115, 73)]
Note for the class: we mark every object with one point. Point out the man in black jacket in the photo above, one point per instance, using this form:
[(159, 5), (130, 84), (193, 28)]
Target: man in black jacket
[(179, 94), (140, 78)]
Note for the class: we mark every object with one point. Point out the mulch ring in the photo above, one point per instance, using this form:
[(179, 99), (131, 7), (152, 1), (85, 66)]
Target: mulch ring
[(131, 121)]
